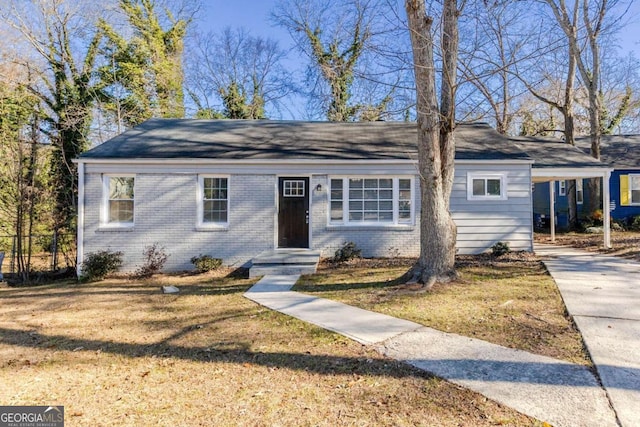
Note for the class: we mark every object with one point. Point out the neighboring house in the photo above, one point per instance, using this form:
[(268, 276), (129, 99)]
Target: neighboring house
[(234, 188), (622, 153)]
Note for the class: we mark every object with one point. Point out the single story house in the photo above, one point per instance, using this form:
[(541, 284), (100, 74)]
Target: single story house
[(235, 188), (620, 152)]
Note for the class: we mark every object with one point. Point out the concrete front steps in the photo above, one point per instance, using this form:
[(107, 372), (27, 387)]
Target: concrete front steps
[(289, 261)]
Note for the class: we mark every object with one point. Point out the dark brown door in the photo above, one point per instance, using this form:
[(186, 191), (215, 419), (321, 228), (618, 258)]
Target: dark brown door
[(293, 213)]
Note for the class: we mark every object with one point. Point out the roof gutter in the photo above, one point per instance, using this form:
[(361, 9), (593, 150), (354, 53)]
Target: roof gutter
[(192, 161)]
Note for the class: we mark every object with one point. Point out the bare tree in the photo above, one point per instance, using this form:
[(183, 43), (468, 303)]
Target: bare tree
[(237, 73), (436, 143), (336, 36), (501, 37), (562, 100), (583, 25)]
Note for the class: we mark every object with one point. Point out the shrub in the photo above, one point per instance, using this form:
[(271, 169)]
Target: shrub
[(99, 264), (155, 258), (597, 216), (634, 223), (347, 252), (205, 263), (617, 225), (500, 249)]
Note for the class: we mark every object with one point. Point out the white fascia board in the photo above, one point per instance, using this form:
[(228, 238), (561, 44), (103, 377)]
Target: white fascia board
[(263, 162), (242, 162), (495, 162), (557, 174)]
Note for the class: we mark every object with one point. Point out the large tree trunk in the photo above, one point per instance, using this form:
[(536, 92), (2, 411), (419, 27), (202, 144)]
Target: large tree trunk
[(436, 144), (590, 72), (569, 129)]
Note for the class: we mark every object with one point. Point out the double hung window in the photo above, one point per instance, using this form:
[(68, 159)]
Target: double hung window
[(118, 200), (213, 201), (634, 189), (579, 191)]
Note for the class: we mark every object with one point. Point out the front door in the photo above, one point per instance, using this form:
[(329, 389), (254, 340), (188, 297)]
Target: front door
[(293, 213)]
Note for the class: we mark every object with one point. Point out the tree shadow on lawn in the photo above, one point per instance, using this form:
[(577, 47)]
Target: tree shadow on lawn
[(226, 352), (331, 287), (481, 267), (239, 353), (122, 288)]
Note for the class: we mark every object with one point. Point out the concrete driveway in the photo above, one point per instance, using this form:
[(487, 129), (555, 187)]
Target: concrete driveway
[(602, 294)]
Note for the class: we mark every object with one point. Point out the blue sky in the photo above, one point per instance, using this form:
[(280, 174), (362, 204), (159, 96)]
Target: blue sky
[(254, 16), (250, 14)]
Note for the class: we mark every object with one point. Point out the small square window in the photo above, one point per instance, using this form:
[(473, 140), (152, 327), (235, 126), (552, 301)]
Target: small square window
[(486, 186), (562, 188), (293, 188)]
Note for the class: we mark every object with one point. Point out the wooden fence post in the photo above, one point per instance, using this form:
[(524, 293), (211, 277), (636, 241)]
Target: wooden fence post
[(54, 250)]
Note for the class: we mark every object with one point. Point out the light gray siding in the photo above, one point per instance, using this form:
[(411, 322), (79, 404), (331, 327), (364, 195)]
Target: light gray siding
[(166, 213), (482, 223)]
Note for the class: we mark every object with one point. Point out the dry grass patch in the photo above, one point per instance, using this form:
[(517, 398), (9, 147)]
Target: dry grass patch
[(625, 244), (121, 353), (510, 300)]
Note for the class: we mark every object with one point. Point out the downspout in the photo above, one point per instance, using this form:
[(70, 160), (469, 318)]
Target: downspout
[(606, 209), (552, 210), (80, 221)]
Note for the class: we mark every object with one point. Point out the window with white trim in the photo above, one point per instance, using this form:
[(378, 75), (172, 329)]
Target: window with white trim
[(293, 188), (562, 188), (486, 186), (579, 191), (371, 200), (634, 189), (213, 201), (118, 200)]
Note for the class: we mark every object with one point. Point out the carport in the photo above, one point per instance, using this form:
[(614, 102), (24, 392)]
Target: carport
[(557, 161)]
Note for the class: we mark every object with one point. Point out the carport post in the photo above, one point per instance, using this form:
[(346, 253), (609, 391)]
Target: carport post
[(606, 209), (552, 210)]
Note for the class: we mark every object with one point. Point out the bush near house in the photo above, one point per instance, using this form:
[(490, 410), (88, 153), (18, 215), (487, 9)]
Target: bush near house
[(347, 252), (206, 263), (98, 265), (155, 258), (500, 249), (634, 223)]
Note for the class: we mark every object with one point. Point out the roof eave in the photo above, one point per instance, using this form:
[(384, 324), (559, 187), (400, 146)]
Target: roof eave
[(240, 162)]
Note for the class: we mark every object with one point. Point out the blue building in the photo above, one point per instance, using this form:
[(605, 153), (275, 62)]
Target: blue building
[(622, 153)]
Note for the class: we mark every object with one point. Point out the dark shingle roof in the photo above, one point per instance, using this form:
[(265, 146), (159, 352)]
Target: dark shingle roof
[(293, 140), (549, 153), (619, 151)]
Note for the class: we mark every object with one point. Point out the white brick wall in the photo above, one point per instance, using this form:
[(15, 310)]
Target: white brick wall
[(166, 213)]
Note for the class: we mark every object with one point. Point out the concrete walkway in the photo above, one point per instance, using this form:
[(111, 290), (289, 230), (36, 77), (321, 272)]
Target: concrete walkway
[(558, 392), (602, 294)]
